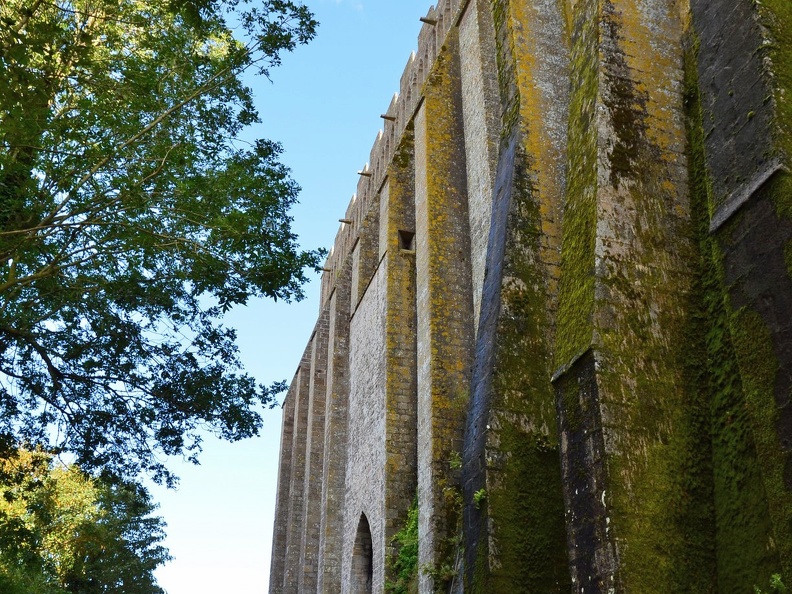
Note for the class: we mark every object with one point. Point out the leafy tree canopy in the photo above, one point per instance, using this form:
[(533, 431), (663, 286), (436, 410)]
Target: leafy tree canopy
[(62, 531), (132, 217)]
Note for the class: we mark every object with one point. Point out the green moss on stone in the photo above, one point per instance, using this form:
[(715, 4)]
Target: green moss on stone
[(527, 514), (403, 155), (755, 350), (525, 490), (523, 513), (758, 368), (745, 554), (477, 581), (655, 419), (788, 256), (776, 17), (758, 362), (780, 192), (576, 299), (505, 62)]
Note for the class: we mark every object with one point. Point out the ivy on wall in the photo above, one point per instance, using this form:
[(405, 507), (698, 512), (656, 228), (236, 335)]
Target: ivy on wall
[(404, 565)]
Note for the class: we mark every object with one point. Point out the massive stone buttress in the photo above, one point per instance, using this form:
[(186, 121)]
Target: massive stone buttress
[(557, 319)]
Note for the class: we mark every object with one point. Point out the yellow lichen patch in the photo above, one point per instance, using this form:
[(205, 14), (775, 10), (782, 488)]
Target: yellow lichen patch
[(541, 84), (651, 33), (444, 296)]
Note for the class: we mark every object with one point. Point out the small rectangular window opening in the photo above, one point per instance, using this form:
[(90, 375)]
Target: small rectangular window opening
[(407, 240)]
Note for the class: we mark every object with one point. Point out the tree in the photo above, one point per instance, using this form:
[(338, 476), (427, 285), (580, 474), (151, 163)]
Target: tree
[(132, 217), (62, 531)]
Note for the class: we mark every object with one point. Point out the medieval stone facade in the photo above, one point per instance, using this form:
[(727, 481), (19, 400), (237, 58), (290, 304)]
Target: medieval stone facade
[(558, 313)]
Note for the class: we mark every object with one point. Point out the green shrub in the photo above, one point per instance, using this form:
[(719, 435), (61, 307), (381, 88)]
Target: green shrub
[(404, 565), (776, 586)]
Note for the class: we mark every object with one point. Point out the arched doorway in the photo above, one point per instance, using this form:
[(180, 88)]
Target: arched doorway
[(362, 559)]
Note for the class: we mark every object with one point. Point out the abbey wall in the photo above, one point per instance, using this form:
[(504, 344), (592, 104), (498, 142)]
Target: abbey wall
[(557, 317)]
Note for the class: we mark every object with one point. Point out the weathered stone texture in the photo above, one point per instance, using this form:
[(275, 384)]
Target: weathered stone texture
[(314, 458), (278, 562), (558, 315), (401, 440), (643, 237), (335, 438), (735, 90), (295, 515), (444, 306), (365, 492), (480, 113), (592, 555), (744, 72), (512, 396)]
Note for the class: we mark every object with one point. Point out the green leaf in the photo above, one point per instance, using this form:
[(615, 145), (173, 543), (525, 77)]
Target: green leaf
[(130, 218)]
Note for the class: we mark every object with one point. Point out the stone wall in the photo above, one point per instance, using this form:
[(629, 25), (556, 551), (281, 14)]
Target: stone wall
[(366, 433), (558, 315)]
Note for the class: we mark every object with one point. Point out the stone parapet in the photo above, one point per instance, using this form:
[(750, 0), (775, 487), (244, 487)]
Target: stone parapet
[(439, 21)]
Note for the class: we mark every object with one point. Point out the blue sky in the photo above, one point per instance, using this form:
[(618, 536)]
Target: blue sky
[(323, 105)]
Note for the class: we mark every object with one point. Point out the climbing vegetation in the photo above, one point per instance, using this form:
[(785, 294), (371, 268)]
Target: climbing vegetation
[(776, 586), (403, 567)]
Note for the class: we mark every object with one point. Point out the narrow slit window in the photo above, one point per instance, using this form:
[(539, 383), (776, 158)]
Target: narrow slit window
[(407, 240)]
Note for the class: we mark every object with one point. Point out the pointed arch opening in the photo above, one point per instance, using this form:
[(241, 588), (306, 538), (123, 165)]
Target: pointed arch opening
[(362, 559)]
